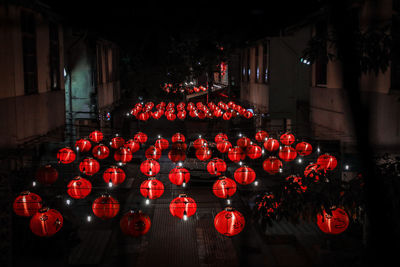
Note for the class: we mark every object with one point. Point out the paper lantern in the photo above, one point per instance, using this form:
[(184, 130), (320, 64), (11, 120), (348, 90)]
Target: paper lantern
[(162, 143), (178, 137), (182, 206), (27, 204), (272, 165), (244, 175), (236, 154), (334, 223), (220, 137), (89, 166), (123, 155), (224, 187), (150, 167), (156, 115), (248, 114), (261, 135), (287, 153), (152, 188), (224, 146), (216, 166), (203, 153), (181, 115), (227, 116), (79, 188), (170, 116), (176, 155), (105, 207), (114, 175), (304, 148), (143, 116), (101, 151), (179, 175), (199, 143), (117, 142), (253, 151), (243, 142), (46, 222), (179, 145), (327, 162), (229, 222), (287, 139), (66, 155), (153, 153), (140, 138), (83, 145), (314, 171), (96, 136), (135, 223), (271, 144), (133, 145)]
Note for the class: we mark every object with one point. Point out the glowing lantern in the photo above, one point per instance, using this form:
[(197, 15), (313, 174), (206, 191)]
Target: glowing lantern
[(327, 162), (176, 155), (178, 137), (243, 142), (248, 114), (140, 138), (229, 222), (66, 155), (101, 151), (244, 175), (179, 175), (304, 148), (89, 166), (162, 143), (117, 142), (152, 188), (143, 116), (79, 187), (156, 115), (123, 155), (313, 171), (272, 165), (96, 136), (105, 207), (227, 115), (218, 113), (46, 222), (46, 174), (27, 204), (287, 139), (183, 206), (153, 153), (261, 135), (236, 154), (287, 153), (181, 115), (135, 223), (150, 167), (114, 175), (132, 145), (271, 144), (253, 151), (216, 166), (224, 187), (170, 116), (199, 143), (334, 223), (203, 153), (83, 145), (224, 146), (220, 137)]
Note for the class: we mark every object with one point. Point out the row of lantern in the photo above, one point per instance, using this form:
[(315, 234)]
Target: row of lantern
[(169, 88)]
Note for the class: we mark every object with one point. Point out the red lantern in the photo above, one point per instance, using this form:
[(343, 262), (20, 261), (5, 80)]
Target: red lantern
[(135, 223), (271, 144), (203, 153), (170, 116), (96, 136), (105, 207), (66, 155), (248, 114), (327, 162), (313, 171), (287, 153), (117, 142), (176, 155), (133, 145), (101, 151), (46, 175), (162, 143), (46, 222), (83, 145), (178, 137), (150, 167), (304, 148), (89, 166), (220, 137), (218, 113), (181, 115), (229, 222), (236, 154), (243, 142), (272, 165), (179, 145), (114, 175), (227, 116), (179, 175), (224, 187), (156, 115), (153, 153), (334, 223), (253, 151), (199, 143), (143, 116), (152, 188), (224, 146), (287, 139), (27, 204), (244, 175), (183, 206), (123, 155), (261, 135), (140, 137), (79, 187), (216, 166)]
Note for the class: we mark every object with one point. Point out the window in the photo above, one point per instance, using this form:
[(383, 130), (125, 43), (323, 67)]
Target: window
[(265, 63), (54, 57), (257, 67), (28, 32), (321, 60)]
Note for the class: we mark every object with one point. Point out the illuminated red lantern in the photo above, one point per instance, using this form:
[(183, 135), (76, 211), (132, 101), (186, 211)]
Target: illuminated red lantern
[(143, 116), (227, 115), (178, 137), (79, 187), (244, 175), (271, 144), (253, 151), (150, 167), (224, 187), (218, 113), (297, 180), (176, 155), (105, 207), (203, 153), (229, 222), (83, 145), (156, 115), (114, 175), (220, 137), (314, 171), (183, 206), (133, 145), (123, 155), (170, 116), (334, 223), (199, 143), (261, 135), (101, 151), (304, 148), (153, 153), (140, 138), (248, 114), (46, 222), (224, 146), (287, 139), (135, 223), (179, 175), (96, 136), (66, 155), (89, 166), (236, 154), (117, 142), (327, 162), (181, 115), (287, 153), (272, 165), (152, 188), (162, 143), (243, 142), (27, 204), (216, 166), (46, 174)]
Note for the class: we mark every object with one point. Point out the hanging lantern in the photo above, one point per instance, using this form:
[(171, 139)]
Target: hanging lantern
[(287, 139), (156, 115), (287, 153), (236, 154), (89, 166), (101, 151), (179, 175), (179, 145), (46, 222), (327, 162), (143, 116), (83, 145), (216, 166), (123, 155), (224, 187), (253, 151), (304, 148), (150, 167), (314, 171), (114, 175), (227, 116), (162, 143), (181, 115), (117, 142), (243, 142), (178, 137), (153, 153), (140, 138), (229, 222), (203, 153), (271, 144), (218, 113), (96, 136), (224, 146), (334, 223), (79, 187), (220, 137), (170, 116), (135, 223), (66, 155), (183, 206), (152, 188), (248, 114), (176, 155), (46, 175), (27, 204), (244, 175), (199, 143), (297, 180), (272, 165), (133, 145), (261, 135), (105, 207)]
